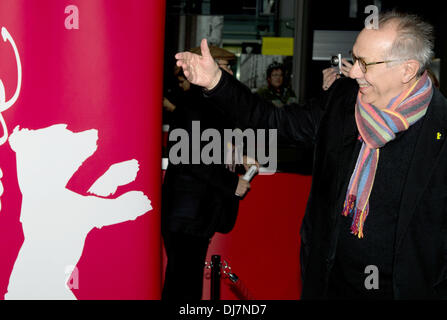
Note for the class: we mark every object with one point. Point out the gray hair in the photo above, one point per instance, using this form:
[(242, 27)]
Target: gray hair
[(414, 38)]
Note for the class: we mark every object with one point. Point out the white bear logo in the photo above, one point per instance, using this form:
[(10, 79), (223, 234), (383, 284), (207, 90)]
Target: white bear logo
[(56, 220)]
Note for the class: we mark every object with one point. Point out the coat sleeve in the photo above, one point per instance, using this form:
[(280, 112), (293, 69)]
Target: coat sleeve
[(295, 122)]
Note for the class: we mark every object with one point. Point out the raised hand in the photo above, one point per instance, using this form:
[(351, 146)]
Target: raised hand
[(200, 70), (329, 76)]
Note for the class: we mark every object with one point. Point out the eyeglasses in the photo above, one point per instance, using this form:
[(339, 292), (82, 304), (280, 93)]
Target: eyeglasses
[(363, 64)]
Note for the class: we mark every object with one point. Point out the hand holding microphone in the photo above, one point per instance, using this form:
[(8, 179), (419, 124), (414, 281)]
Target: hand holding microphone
[(244, 181), (242, 187), (250, 173)]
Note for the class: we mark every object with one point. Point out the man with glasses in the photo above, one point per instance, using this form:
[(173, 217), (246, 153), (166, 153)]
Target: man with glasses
[(376, 220)]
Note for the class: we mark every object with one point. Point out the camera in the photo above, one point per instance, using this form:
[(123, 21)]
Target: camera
[(336, 62)]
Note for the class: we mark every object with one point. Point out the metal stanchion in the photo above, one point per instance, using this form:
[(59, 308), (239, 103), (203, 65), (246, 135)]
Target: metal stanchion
[(215, 277), (220, 269), (235, 284)]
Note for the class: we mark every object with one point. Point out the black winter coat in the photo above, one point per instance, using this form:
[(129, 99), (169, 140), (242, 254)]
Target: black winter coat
[(420, 251), (198, 199)]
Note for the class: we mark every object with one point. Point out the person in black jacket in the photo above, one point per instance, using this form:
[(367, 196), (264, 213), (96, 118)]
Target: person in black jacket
[(375, 225), (276, 89), (197, 199)]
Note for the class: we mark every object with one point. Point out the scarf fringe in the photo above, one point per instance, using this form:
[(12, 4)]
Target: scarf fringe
[(358, 221), (359, 216), (349, 205)]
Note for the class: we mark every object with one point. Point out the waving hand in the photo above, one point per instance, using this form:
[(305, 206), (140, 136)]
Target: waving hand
[(200, 70)]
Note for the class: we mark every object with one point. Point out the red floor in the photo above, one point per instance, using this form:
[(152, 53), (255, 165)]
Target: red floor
[(263, 248)]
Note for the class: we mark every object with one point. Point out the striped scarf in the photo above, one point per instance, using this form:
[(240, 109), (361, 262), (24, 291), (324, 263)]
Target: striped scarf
[(378, 127)]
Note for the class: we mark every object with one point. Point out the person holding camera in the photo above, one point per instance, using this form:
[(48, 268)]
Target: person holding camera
[(376, 221), (333, 73)]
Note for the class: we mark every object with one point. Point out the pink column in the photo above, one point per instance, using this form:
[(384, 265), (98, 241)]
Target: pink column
[(90, 97)]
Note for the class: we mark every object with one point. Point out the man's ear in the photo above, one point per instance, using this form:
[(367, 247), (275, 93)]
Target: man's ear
[(410, 71)]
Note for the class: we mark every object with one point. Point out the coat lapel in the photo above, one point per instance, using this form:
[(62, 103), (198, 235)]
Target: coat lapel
[(349, 141), (428, 148)]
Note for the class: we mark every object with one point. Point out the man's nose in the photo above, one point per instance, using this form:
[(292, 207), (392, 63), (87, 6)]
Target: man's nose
[(356, 72)]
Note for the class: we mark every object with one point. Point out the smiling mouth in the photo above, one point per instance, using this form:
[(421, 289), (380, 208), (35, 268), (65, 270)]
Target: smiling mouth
[(363, 87)]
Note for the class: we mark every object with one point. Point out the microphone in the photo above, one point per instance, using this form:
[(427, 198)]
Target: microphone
[(250, 173)]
